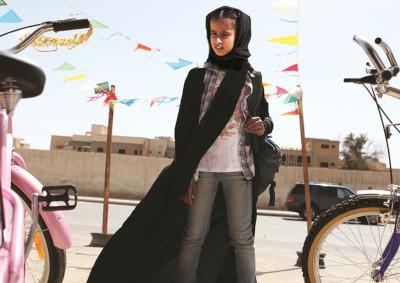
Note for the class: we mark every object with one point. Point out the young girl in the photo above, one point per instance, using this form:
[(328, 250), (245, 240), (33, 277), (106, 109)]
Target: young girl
[(228, 163), (208, 237)]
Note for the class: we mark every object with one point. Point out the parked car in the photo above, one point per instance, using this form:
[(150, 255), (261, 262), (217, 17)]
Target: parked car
[(323, 196)]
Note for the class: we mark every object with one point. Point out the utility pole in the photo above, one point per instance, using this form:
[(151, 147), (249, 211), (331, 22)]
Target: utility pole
[(100, 239)]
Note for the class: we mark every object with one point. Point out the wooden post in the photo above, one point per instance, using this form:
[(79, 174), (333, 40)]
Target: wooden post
[(106, 194), (305, 163)]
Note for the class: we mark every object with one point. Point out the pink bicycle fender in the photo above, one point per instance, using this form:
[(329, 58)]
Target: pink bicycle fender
[(55, 220)]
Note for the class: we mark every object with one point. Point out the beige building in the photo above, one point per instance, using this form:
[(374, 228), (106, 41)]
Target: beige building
[(321, 153), (20, 143), (96, 141)]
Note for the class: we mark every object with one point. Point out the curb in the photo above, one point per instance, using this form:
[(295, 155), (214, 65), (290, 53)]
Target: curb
[(265, 212)]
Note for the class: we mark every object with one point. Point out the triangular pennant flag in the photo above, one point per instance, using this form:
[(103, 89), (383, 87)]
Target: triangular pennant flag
[(102, 88), (10, 17), (290, 99), (65, 67), (157, 100), (280, 91), (266, 84), (288, 39), (292, 68), (285, 6), (74, 77), (288, 20), (128, 102), (168, 99), (97, 25), (94, 98), (180, 64), (3, 3), (142, 47), (294, 112)]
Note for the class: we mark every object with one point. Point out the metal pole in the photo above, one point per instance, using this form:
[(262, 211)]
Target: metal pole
[(305, 164), (106, 194)]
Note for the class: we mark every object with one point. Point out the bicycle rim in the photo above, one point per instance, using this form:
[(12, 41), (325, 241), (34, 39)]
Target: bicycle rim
[(340, 248), (45, 262)]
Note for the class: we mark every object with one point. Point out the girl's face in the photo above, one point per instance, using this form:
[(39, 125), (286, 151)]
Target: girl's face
[(222, 35)]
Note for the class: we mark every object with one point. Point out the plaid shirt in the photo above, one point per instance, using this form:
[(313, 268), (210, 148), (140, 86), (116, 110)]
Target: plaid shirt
[(212, 81)]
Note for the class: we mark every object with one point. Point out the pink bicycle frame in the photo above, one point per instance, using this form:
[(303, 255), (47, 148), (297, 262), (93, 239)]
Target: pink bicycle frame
[(12, 250), (12, 259), (28, 184)]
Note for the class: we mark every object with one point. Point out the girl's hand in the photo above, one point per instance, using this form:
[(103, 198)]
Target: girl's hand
[(255, 125), (190, 193)]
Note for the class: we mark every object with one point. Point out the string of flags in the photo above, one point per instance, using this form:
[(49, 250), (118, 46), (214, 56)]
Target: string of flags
[(287, 11), (102, 90)]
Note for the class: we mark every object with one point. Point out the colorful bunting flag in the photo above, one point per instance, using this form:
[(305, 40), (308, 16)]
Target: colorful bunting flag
[(288, 20), (290, 99), (65, 67), (169, 99), (94, 98), (10, 17), (74, 77), (97, 25), (142, 47), (111, 97), (102, 88), (128, 102), (292, 68), (294, 112), (285, 6), (266, 84), (280, 91), (157, 100), (287, 40), (180, 64)]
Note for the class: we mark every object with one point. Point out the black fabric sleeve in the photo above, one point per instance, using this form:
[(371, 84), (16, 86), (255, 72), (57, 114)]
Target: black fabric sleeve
[(263, 111), (186, 119)]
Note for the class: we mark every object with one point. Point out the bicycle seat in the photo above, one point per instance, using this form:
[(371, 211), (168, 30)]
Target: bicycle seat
[(29, 78)]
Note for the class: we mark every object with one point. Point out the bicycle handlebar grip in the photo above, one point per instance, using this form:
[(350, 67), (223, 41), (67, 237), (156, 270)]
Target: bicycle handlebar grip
[(70, 24)]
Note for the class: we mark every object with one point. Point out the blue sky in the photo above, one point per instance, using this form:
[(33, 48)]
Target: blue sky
[(326, 54)]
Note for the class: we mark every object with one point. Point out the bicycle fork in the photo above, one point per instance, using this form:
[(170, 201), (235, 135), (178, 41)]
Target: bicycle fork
[(389, 253)]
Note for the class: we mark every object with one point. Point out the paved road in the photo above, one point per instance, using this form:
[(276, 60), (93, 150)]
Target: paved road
[(277, 240)]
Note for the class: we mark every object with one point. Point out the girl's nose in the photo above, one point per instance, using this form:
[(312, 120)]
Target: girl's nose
[(219, 40)]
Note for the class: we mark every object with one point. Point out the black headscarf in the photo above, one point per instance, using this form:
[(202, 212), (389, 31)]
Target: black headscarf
[(240, 52)]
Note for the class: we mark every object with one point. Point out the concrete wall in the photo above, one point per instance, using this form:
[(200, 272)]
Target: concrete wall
[(132, 176)]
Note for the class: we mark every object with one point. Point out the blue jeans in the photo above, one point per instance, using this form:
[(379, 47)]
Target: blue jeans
[(238, 199)]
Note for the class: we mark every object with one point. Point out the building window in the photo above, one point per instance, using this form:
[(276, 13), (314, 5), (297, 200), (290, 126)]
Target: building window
[(284, 157), (299, 160), (100, 149), (308, 160), (332, 164), (121, 151), (324, 145), (333, 146), (135, 152), (324, 164)]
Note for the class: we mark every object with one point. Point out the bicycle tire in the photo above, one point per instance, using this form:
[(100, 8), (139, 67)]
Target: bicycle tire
[(54, 259), (339, 248)]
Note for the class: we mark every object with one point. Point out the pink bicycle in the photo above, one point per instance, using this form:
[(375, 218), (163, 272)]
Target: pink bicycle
[(33, 232)]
